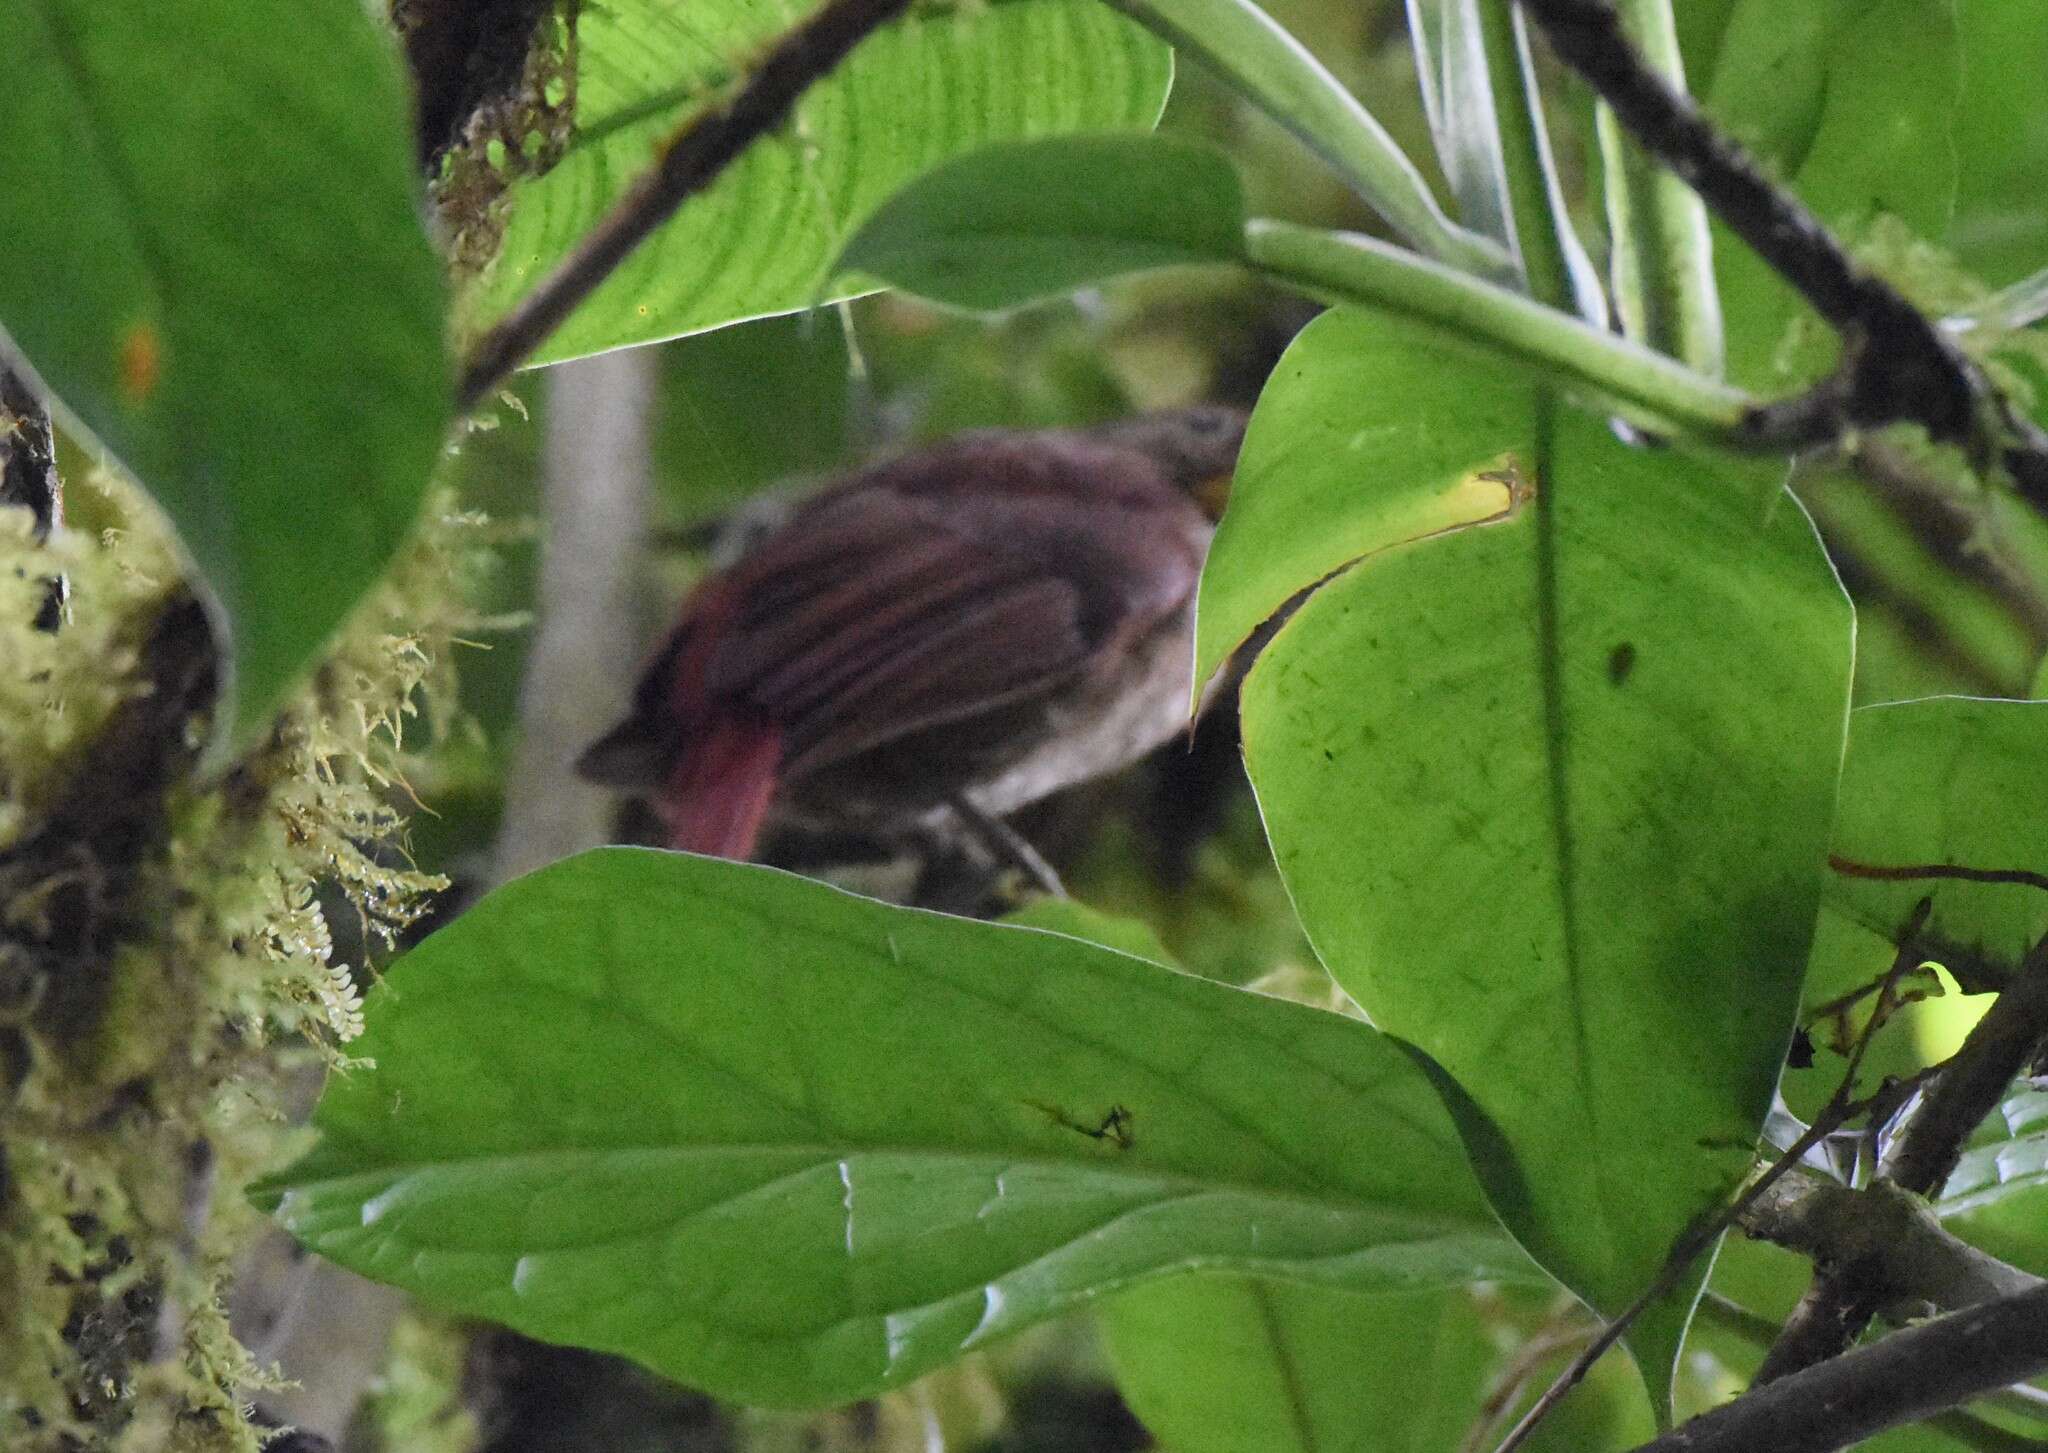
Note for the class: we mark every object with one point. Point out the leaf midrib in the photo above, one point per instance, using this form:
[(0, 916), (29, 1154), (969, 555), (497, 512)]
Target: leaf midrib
[(392, 1172)]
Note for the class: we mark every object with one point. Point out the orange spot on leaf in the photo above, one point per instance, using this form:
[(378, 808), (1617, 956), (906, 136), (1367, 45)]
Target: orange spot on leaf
[(141, 362)]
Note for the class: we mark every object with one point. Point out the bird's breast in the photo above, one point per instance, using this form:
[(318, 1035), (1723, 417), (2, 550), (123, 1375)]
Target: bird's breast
[(1108, 721)]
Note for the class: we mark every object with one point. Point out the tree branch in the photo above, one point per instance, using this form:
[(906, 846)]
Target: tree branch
[(1964, 1426), (1910, 1375), (1897, 365), (1913, 1260), (689, 162)]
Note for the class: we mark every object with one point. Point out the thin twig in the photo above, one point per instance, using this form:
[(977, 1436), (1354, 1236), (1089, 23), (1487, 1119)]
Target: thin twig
[(1841, 1106), (1506, 1390), (690, 161), (1898, 365), (1849, 868)]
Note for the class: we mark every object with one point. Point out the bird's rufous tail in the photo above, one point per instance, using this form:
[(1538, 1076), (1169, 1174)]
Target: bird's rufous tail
[(716, 797)]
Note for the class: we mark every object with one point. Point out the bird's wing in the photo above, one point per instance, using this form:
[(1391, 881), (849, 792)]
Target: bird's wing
[(875, 618)]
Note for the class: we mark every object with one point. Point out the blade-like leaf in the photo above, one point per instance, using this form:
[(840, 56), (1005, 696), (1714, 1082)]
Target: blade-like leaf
[(1457, 96), (1334, 468), (937, 84), (1552, 798), (1014, 223), (1998, 1192), (1256, 57), (794, 1146), (213, 259), (1948, 781)]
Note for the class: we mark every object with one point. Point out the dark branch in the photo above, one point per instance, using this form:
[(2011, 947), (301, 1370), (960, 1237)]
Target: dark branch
[(28, 454), (1910, 1375), (85, 856), (29, 478), (463, 55), (1897, 365), (691, 160), (1950, 525), (1848, 1293)]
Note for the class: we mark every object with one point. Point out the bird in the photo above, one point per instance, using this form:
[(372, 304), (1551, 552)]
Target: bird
[(964, 629)]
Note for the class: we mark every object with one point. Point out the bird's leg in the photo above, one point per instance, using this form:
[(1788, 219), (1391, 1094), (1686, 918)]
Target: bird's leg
[(1006, 844)]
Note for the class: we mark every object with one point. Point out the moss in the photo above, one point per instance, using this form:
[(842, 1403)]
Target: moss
[(416, 1404), (127, 1143), (521, 132)]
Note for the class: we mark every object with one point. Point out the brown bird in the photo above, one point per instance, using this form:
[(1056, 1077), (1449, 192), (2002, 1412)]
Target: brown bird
[(968, 628)]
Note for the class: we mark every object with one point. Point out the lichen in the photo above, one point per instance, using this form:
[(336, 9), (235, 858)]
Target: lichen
[(127, 1144)]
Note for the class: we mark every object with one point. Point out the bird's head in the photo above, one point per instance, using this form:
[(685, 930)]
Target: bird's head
[(1197, 447)]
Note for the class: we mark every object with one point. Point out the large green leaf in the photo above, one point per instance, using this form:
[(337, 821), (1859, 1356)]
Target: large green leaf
[(762, 239), (1552, 797), (1014, 223), (794, 1146), (2000, 225), (1241, 1364), (1855, 103), (210, 252), (1949, 781), (1370, 434)]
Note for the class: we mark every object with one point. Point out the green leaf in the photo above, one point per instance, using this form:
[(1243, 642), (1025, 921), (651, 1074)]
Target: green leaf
[(1947, 781), (1077, 920), (1321, 482), (1239, 1364), (1998, 1194), (2000, 225), (1701, 26), (213, 259), (794, 1146), (1014, 223), (1854, 103), (762, 239), (1770, 85), (1552, 798)]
